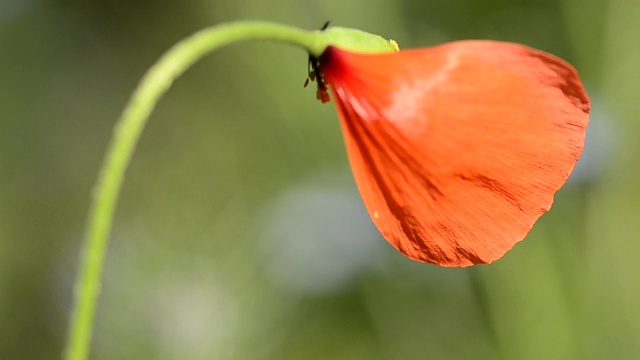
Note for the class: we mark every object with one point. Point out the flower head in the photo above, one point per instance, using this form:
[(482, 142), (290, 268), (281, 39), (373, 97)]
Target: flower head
[(457, 149)]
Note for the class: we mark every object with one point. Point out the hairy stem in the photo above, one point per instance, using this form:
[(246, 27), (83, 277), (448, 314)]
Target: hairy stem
[(125, 137)]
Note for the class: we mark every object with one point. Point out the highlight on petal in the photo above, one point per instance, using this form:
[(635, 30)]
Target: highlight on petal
[(458, 149)]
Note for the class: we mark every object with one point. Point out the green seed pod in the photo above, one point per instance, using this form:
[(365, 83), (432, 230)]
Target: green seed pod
[(357, 40)]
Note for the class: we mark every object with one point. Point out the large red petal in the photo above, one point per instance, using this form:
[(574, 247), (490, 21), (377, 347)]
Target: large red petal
[(458, 149)]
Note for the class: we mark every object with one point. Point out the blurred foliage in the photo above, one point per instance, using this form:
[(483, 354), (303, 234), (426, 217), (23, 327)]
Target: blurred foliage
[(240, 234)]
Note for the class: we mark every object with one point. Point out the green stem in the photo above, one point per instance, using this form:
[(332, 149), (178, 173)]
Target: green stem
[(125, 137)]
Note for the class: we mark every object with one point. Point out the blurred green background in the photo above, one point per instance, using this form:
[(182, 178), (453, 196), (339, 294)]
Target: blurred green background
[(240, 234)]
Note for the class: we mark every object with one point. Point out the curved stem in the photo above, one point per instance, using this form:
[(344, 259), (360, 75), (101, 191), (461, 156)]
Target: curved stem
[(125, 137)]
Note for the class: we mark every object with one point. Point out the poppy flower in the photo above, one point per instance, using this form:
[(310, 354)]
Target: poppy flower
[(457, 149)]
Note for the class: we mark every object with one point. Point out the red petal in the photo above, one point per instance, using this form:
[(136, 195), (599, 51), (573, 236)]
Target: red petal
[(458, 149)]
